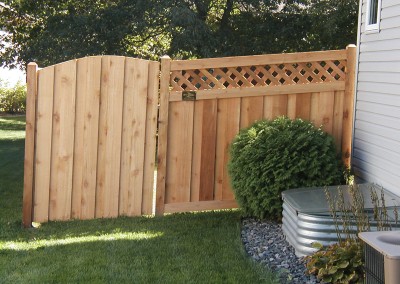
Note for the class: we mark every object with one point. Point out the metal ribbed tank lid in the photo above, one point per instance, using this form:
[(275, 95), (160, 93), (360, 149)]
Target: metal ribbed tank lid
[(313, 199)]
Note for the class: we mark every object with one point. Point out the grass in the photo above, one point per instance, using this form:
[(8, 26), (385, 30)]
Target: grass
[(179, 248)]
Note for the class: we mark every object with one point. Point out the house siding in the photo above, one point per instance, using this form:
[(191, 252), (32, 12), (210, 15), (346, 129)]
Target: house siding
[(376, 144)]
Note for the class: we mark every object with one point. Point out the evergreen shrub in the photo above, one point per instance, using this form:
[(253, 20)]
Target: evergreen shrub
[(272, 156)]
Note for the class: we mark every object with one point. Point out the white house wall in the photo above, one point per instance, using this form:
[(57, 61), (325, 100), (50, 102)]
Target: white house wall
[(376, 145)]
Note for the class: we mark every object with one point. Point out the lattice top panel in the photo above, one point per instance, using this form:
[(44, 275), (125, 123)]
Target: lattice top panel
[(260, 75)]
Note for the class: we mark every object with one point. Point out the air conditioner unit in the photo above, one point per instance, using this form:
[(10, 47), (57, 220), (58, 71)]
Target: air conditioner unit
[(382, 257)]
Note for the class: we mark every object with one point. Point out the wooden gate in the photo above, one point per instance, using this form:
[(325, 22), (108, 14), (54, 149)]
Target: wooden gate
[(205, 102), (91, 129)]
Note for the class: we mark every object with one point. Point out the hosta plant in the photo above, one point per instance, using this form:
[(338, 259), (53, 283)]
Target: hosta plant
[(338, 263)]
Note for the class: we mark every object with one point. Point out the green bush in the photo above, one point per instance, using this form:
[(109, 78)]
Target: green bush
[(338, 263), (13, 99), (272, 156)]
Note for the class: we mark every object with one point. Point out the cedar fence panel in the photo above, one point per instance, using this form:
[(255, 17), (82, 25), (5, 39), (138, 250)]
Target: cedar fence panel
[(92, 123), (91, 139), (207, 101)]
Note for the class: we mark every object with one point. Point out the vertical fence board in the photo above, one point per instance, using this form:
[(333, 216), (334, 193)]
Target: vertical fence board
[(324, 111), (110, 128), (179, 156), (205, 122), (44, 120), (227, 127), (62, 141), (338, 119), (275, 106), (31, 96), (303, 106), (86, 137), (163, 134), (197, 150), (208, 143), (348, 111), (292, 106), (314, 112), (251, 110), (150, 141), (133, 136)]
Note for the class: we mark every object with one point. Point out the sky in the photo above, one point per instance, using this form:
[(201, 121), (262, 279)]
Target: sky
[(12, 76)]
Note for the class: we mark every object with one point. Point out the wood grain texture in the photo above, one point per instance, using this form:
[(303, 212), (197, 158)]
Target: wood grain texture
[(204, 139), (62, 150), (322, 106), (349, 104), (31, 96), (86, 137), (44, 121), (163, 134), (252, 109), (275, 106), (133, 136), (110, 129), (179, 155), (227, 127), (258, 60), (200, 206), (338, 120), (151, 132), (176, 96)]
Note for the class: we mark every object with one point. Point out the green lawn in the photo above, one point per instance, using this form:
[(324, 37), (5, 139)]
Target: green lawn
[(180, 248)]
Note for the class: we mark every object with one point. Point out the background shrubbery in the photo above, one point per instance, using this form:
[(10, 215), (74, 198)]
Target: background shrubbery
[(12, 99), (272, 156)]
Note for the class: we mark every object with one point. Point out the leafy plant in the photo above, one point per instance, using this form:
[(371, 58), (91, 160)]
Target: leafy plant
[(272, 156), (12, 99), (338, 263), (343, 262)]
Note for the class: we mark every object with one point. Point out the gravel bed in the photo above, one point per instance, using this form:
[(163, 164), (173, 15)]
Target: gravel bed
[(264, 242)]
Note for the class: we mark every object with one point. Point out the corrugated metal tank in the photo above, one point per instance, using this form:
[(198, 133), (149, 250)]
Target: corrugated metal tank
[(307, 218)]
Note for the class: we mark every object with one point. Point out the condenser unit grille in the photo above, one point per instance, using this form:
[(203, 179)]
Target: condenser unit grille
[(374, 266)]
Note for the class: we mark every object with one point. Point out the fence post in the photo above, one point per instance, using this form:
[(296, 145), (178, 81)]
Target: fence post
[(348, 104), (31, 81), (163, 133)]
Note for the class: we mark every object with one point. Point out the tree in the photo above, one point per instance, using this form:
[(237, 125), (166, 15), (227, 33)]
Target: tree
[(51, 31)]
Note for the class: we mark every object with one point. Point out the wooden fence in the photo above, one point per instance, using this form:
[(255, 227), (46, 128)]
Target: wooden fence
[(205, 102), (90, 140), (91, 127)]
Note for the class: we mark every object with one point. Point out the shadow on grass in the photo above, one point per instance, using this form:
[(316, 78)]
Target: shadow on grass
[(179, 248), (12, 123)]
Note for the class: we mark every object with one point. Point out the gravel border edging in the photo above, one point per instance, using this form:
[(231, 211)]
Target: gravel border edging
[(265, 243)]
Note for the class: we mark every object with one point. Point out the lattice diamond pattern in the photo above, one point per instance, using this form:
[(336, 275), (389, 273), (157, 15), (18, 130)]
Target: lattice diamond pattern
[(256, 76)]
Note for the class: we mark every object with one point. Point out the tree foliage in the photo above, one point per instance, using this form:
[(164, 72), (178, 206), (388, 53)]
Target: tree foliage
[(51, 31)]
